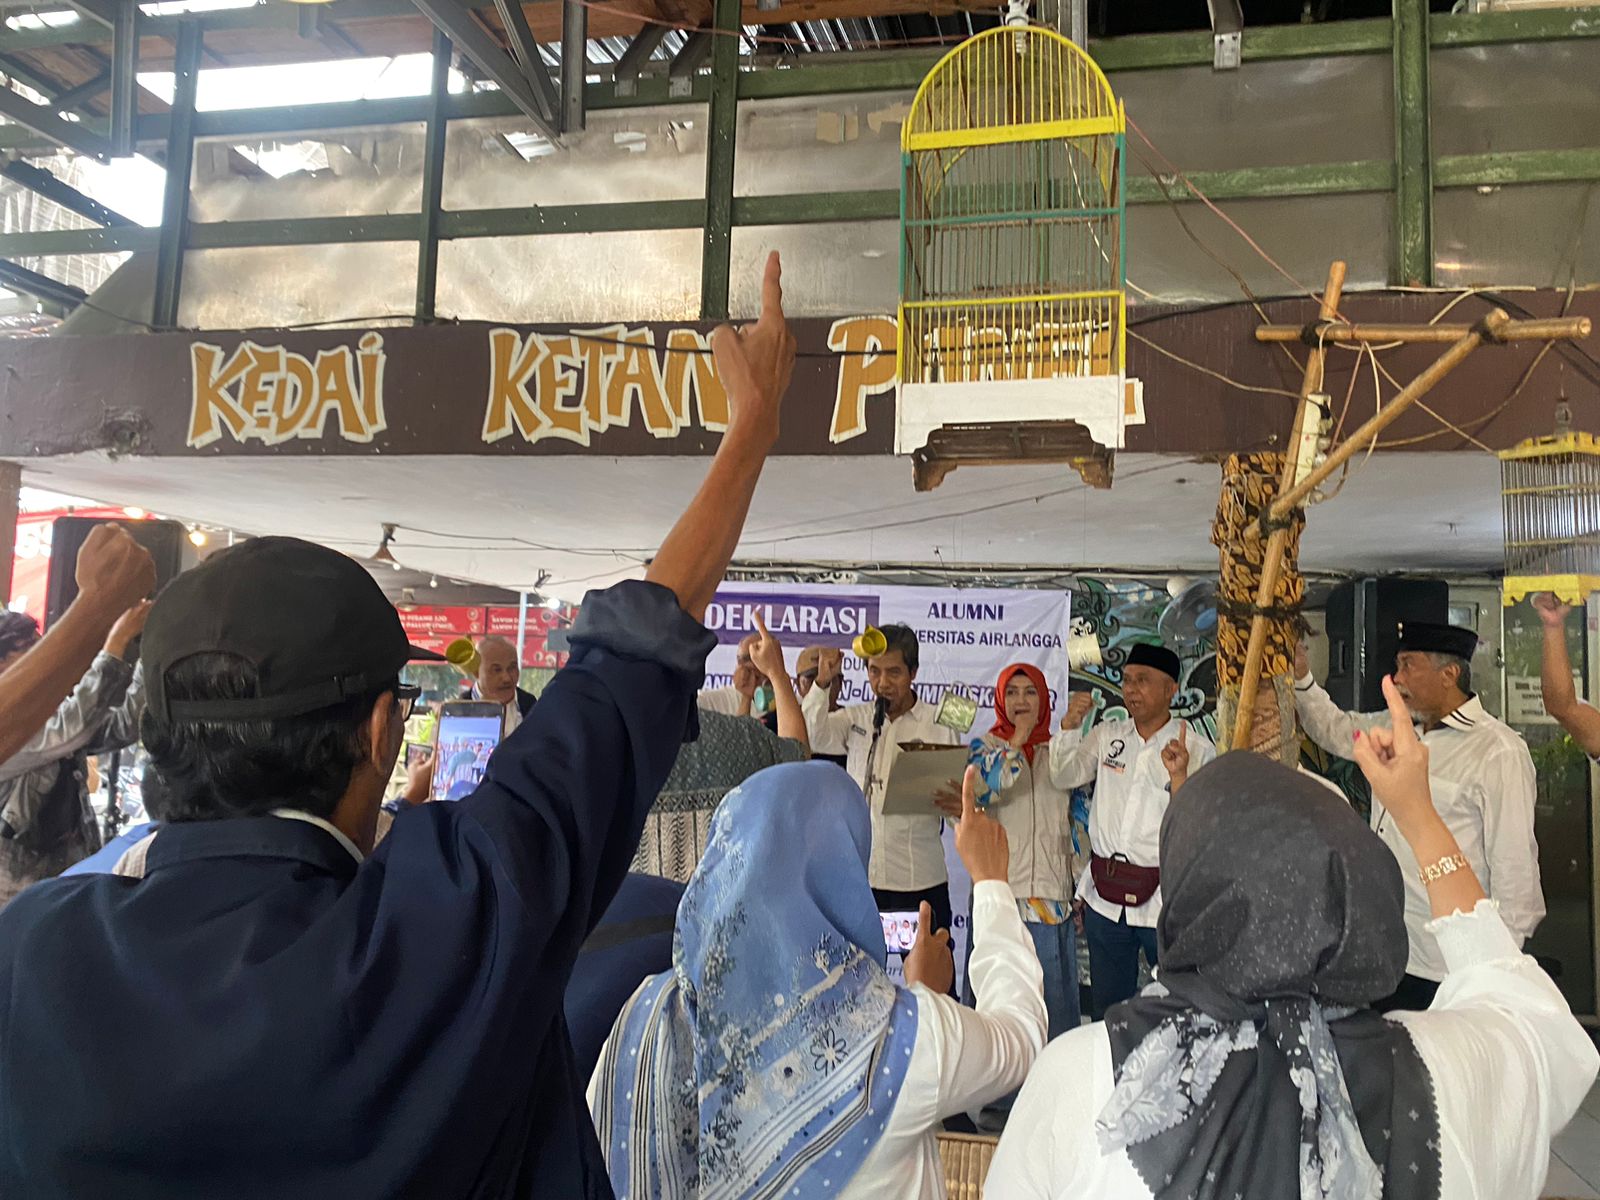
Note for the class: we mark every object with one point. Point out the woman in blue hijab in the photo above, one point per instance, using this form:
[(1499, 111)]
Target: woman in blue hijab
[(778, 1058)]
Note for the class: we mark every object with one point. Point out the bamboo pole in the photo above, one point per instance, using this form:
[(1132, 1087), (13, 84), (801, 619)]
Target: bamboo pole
[(1304, 426), (1513, 331)]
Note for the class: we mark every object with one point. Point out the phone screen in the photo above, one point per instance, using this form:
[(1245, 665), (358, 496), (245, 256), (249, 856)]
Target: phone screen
[(465, 743), (416, 752), (899, 930)]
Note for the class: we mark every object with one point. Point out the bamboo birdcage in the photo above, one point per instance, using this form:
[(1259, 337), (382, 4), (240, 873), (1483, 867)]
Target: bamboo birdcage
[(1550, 496), (1012, 204)]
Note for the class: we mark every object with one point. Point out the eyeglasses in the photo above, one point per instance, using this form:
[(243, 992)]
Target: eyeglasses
[(405, 698)]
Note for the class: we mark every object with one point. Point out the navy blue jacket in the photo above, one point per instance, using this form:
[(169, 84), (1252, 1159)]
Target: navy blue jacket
[(632, 942), (259, 1016)]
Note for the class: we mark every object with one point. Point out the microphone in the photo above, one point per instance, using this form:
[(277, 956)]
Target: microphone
[(880, 710)]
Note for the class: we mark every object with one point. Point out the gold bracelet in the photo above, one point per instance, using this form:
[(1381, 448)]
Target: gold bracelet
[(1448, 865)]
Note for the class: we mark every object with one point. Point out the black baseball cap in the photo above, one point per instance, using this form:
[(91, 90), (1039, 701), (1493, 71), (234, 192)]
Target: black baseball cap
[(313, 623)]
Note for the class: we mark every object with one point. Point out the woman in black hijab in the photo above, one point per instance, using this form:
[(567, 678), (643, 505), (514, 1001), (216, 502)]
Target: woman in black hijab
[(1253, 1069)]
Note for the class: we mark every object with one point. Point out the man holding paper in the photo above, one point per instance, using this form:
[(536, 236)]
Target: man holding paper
[(907, 863)]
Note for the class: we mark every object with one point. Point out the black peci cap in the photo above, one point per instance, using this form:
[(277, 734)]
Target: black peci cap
[(1147, 654), (313, 623), (1427, 638)]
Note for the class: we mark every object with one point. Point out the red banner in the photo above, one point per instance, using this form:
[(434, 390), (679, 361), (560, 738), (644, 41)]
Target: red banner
[(448, 623), (434, 628)]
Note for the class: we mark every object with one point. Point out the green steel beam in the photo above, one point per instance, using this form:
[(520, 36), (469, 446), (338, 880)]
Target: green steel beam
[(180, 164), (577, 218), (43, 120), (433, 180), (1517, 166), (1413, 145), (1266, 43), (806, 209), (1497, 28), (1254, 183), (1464, 170), (303, 231), (716, 244), (49, 242), (902, 71)]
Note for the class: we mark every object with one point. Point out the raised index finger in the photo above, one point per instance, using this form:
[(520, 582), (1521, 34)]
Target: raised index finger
[(969, 793), (761, 626), (1405, 733), (772, 289)]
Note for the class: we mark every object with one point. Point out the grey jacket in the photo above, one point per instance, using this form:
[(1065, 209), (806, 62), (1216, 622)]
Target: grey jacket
[(45, 820)]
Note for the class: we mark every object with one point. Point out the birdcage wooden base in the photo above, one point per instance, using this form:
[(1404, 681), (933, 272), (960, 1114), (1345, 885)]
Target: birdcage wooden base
[(988, 445)]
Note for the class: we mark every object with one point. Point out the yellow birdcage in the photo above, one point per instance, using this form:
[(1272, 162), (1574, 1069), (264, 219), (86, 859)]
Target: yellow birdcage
[(1550, 495), (1012, 260)]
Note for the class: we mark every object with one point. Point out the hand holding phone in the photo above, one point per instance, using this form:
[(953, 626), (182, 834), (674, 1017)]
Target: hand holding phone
[(469, 731)]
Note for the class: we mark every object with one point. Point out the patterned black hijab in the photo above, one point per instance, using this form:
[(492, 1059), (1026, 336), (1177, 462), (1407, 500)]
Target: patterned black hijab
[(1254, 1068)]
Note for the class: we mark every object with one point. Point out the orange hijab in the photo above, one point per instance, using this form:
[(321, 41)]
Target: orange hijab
[(1004, 728)]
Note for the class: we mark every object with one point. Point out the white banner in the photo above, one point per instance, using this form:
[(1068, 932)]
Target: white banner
[(968, 636)]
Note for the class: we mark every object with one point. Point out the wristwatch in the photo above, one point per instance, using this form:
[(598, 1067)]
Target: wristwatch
[(1448, 865)]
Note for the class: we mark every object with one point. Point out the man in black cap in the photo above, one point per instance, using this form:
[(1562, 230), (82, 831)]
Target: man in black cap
[(311, 1017), (1483, 787), (1137, 764)]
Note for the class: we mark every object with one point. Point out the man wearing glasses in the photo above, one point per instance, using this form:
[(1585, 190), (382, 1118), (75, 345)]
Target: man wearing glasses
[(261, 1004)]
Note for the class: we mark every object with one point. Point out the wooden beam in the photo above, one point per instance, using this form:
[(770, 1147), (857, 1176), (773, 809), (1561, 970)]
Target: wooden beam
[(1514, 331)]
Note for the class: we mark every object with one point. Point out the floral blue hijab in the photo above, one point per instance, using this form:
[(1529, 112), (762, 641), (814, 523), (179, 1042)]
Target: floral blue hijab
[(768, 1061)]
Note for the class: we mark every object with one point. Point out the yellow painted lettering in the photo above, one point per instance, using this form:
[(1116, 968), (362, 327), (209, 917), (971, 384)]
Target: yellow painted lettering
[(255, 391), (370, 356), (294, 397), (691, 373), (209, 402), (558, 381), (600, 352), (639, 374), (336, 392), (866, 368), (511, 364)]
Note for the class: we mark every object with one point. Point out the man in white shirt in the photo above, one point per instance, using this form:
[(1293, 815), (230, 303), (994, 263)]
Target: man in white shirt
[(1137, 765), (1483, 786), (738, 699), (499, 669), (907, 865)]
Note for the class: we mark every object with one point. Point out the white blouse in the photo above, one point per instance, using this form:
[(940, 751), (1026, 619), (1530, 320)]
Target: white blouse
[(963, 1058), (1510, 1066)]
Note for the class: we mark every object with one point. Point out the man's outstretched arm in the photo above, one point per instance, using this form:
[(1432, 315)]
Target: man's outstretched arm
[(1561, 700), (754, 364)]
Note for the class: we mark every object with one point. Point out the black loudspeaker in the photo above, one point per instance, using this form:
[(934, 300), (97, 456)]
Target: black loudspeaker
[(1364, 619), (166, 541)]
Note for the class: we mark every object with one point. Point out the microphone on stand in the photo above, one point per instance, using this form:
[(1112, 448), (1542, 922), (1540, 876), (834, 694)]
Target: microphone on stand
[(880, 710)]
